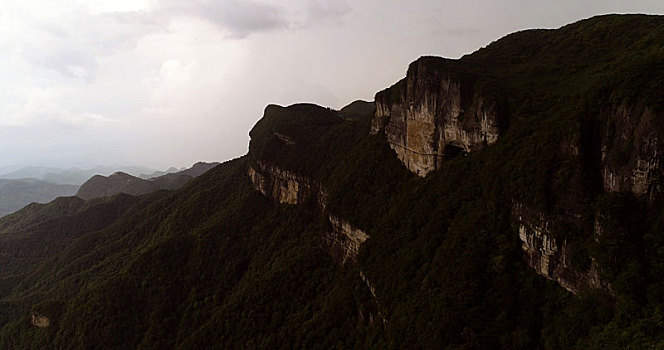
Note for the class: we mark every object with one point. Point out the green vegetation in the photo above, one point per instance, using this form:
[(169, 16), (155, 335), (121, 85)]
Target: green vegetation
[(215, 264)]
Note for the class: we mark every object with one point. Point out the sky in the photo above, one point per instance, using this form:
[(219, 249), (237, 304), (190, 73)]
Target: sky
[(163, 83)]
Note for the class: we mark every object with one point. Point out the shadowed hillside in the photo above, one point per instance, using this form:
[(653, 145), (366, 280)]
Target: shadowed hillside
[(104, 186)]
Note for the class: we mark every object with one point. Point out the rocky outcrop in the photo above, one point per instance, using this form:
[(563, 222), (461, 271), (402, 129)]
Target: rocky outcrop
[(344, 240), (631, 150), (282, 186), (285, 187), (39, 321), (550, 256), (429, 117)]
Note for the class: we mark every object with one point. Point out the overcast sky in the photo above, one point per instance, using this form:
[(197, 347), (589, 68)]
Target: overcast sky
[(169, 82)]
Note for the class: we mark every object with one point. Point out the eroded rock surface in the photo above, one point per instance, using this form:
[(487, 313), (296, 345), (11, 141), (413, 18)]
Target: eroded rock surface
[(631, 151), (550, 256), (285, 187), (428, 117), (39, 321)]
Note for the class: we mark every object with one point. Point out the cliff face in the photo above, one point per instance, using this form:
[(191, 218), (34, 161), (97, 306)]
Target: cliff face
[(342, 239), (285, 187), (631, 151), (428, 117), (432, 115), (282, 186), (550, 256)]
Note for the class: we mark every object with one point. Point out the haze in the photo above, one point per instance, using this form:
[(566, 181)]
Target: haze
[(166, 83)]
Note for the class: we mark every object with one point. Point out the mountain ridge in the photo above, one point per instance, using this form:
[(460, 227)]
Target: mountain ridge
[(120, 182), (16, 193), (323, 235)]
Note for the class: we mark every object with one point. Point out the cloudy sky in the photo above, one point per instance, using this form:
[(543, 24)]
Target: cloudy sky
[(169, 82)]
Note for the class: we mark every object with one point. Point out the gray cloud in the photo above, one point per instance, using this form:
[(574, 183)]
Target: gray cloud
[(171, 82), (326, 10), (239, 18)]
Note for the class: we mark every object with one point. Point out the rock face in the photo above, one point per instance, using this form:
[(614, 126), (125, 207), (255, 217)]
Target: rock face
[(631, 151), (629, 157), (429, 116), (285, 187), (344, 240), (433, 115), (39, 321), (550, 257)]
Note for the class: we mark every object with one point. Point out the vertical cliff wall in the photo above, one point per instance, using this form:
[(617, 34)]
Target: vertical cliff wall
[(429, 116), (631, 150), (550, 256)]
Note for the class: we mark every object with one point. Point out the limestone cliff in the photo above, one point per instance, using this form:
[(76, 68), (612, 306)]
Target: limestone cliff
[(285, 187), (631, 150), (281, 185), (342, 239), (550, 256), (430, 116)]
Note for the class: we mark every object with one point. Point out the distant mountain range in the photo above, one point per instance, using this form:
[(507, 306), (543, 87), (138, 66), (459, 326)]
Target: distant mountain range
[(44, 184), (16, 193), (120, 182), (72, 176), (161, 173)]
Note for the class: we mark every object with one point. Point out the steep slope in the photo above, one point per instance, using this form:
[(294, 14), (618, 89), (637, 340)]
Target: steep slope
[(581, 116), (103, 186), (325, 235), (40, 231), (542, 178), (209, 263), (17, 193)]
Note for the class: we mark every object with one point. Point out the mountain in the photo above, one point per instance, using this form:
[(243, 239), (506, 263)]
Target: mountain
[(103, 186), (159, 173), (15, 194), (22, 187), (72, 176), (508, 199), (39, 231), (35, 172)]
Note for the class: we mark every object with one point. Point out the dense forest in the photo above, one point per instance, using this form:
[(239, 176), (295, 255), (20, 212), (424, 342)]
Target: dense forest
[(216, 264)]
